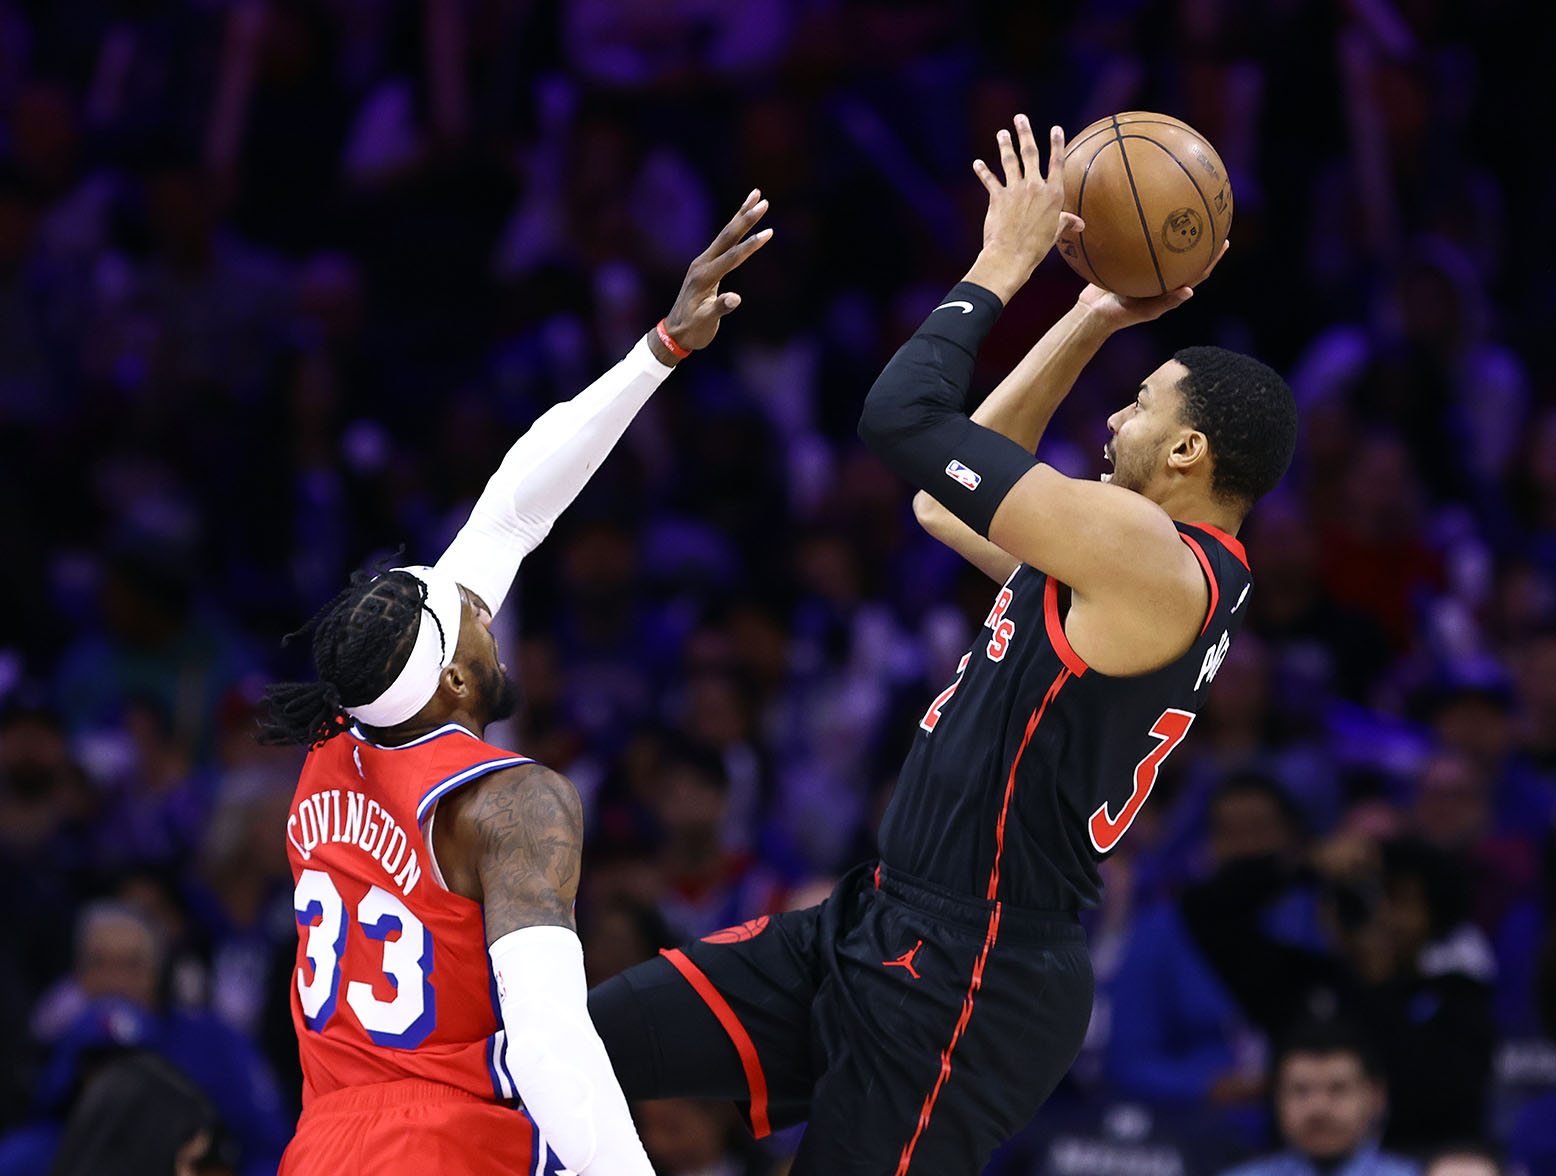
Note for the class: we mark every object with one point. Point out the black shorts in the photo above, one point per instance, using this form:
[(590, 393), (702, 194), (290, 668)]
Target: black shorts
[(916, 1030)]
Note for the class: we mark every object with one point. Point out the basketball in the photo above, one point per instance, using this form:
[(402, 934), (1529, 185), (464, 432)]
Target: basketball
[(1156, 201)]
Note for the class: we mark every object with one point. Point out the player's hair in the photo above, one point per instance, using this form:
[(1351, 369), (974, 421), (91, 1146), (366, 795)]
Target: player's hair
[(1249, 416), (1322, 1038), (361, 640)]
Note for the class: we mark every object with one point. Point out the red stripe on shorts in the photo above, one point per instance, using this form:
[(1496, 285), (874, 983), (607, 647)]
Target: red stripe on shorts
[(756, 1079)]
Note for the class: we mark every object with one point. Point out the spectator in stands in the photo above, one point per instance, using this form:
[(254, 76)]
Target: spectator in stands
[(1178, 1035), (1531, 1141), (1403, 959), (118, 981), (1430, 1003), (1330, 1102), (1467, 1159), (141, 1115), (706, 886)]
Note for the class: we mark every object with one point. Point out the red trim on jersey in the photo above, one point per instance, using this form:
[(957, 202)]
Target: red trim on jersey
[(1010, 782), (1210, 577), (1056, 637), (756, 1079), (1230, 542), (990, 935)]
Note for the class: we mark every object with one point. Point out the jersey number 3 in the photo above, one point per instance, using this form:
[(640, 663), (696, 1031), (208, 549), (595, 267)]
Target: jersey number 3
[(402, 1022), (1170, 729)]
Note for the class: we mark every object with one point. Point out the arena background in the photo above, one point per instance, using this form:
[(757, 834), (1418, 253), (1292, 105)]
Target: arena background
[(280, 280)]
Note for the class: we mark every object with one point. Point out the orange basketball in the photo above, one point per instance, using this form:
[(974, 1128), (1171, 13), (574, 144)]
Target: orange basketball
[(1155, 198)]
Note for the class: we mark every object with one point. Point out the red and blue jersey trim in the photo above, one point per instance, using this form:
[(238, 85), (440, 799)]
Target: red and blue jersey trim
[(474, 771), (445, 729)]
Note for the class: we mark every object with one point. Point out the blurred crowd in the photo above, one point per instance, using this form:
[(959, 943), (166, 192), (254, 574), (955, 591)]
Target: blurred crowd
[(280, 281)]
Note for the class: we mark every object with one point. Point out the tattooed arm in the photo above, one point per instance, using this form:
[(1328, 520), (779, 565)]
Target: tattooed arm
[(512, 841)]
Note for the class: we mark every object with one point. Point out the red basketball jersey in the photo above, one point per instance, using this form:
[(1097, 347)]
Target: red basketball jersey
[(393, 980)]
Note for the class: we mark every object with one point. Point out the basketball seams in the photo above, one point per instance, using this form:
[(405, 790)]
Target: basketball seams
[(1129, 174), (1136, 122), (1210, 217), (1079, 195), (1147, 180)]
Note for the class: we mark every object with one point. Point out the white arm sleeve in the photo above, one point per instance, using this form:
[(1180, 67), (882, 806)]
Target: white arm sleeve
[(556, 1058), (543, 472)]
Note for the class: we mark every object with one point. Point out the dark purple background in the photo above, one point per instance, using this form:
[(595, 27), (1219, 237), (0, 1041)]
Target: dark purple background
[(279, 283)]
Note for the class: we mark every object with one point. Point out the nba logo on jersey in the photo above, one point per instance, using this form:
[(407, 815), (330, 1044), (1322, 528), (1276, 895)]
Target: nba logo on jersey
[(962, 474)]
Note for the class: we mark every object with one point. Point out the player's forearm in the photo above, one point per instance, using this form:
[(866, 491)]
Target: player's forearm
[(544, 471), (1023, 403), (915, 416), (557, 1060)]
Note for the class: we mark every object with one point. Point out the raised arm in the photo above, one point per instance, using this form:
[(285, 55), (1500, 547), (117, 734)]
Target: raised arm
[(1020, 408), (1023, 403), (547, 467), (512, 841), (1111, 546)]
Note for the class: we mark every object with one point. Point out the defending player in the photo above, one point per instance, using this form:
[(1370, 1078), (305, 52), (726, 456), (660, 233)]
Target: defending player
[(439, 976), (921, 1014)]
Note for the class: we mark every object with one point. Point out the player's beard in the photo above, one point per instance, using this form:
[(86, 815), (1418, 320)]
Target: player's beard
[(501, 694), (1127, 471), (1133, 466)]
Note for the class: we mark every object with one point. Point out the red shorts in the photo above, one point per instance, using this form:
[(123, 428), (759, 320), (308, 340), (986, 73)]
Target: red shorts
[(413, 1128)]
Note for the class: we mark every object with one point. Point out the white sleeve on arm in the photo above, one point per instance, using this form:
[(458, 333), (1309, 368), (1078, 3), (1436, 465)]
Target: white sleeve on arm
[(543, 472), (556, 1057)]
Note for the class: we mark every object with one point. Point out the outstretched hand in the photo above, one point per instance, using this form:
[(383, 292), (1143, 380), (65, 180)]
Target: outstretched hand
[(1025, 211), (700, 306), (1119, 312)]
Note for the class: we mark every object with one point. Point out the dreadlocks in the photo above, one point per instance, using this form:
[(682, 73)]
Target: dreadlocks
[(361, 641)]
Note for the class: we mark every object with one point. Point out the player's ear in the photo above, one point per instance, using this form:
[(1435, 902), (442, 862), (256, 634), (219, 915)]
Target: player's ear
[(457, 680), (1189, 452)]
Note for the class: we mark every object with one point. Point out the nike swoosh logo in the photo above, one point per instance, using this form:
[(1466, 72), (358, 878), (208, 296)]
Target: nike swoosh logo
[(1240, 600), (967, 307)]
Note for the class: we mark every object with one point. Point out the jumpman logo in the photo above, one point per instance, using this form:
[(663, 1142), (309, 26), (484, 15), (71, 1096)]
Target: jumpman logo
[(905, 960)]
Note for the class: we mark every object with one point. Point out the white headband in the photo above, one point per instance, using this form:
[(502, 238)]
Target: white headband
[(415, 685)]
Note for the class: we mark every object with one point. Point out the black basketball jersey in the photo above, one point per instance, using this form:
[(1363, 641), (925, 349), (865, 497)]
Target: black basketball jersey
[(1030, 766)]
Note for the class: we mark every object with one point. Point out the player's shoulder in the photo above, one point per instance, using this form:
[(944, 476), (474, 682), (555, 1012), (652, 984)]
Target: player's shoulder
[(527, 794), (1221, 548), (425, 770), (472, 764), (524, 810)]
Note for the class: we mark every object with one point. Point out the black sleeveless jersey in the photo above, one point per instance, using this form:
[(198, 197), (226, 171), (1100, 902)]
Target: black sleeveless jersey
[(1029, 767)]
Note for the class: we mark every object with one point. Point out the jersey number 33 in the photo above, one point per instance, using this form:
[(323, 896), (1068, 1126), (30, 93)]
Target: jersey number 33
[(404, 960)]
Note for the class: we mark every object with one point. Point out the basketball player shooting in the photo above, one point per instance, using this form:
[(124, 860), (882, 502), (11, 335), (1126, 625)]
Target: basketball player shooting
[(439, 976), (921, 1015)]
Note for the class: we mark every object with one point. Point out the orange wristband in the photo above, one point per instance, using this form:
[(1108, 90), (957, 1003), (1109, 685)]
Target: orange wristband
[(675, 348)]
